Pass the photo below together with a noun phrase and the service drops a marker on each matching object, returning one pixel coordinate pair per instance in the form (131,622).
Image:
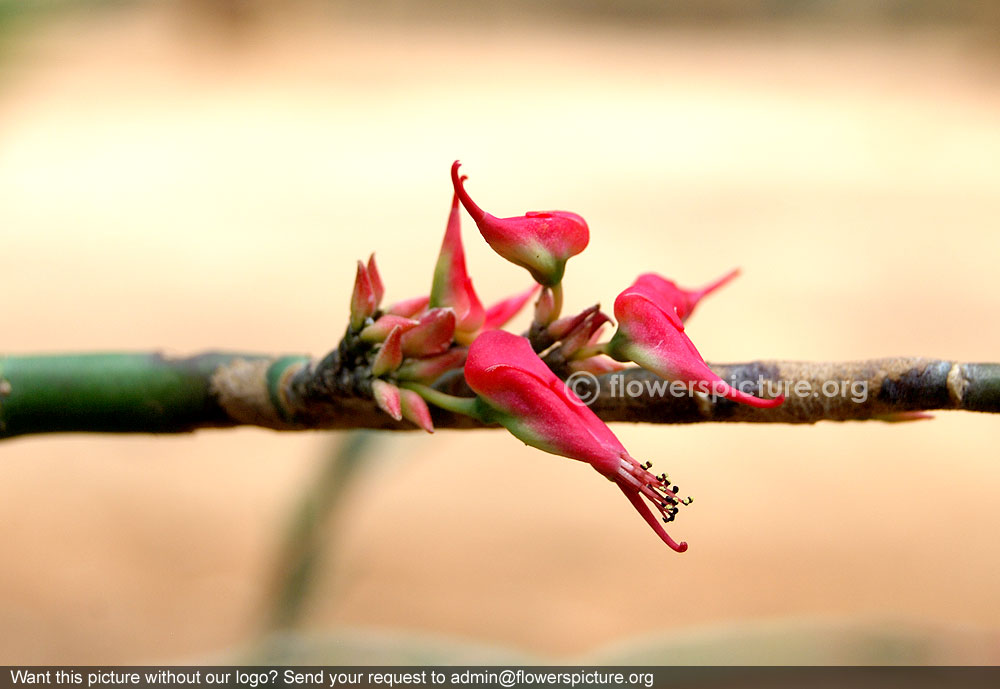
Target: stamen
(631,479)
(655,496)
(656,489)
(647,514)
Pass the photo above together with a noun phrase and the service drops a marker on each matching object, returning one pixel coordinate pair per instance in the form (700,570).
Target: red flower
(451,286)
(651,334)
(517,390)
(542,242)
(498,314)
(684,300)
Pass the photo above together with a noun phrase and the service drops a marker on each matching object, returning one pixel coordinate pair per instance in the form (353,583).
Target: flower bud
(377,287)
(387,398)
(380,329)
(429,369)
(545,307)
(390,354)
(564,326)
(363,303)
(596,365)
(583,335)
(432,335)
(415,410)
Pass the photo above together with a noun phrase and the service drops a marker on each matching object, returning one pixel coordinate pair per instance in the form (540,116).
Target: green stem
(591,350)
(112,393)
(557,300)
(132,392)
(469,406)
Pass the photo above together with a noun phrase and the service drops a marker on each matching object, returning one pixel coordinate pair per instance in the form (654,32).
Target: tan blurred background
(195,175)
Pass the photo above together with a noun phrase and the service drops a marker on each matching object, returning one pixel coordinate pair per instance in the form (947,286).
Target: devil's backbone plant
(442,358)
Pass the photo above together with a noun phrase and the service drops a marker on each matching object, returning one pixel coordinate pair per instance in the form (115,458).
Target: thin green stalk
(590,350)
(469,406)
(557,300)
(314,523)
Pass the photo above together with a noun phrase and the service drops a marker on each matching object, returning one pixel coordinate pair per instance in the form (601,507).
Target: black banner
(485,677)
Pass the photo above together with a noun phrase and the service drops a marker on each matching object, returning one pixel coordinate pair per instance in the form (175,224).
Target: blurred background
(194,175)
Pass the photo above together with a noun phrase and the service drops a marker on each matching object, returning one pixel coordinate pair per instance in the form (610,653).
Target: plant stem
(151,393)
(557,300)
(590,350)
(459,405)
(314,523)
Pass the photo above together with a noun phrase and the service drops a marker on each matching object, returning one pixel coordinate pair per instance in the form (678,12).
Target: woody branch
(150,393)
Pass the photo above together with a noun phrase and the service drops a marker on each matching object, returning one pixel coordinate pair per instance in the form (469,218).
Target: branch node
(958,383)
(241,387)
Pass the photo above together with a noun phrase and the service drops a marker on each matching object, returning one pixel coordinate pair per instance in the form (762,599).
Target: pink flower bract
(651,334)
(452,286)
(517,390)
(684,300)
(541,241)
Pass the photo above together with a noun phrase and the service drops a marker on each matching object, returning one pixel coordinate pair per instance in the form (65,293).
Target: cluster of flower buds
(416,341)
(408,346)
